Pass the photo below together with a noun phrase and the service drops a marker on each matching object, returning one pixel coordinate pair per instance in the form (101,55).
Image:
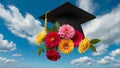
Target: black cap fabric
(69,14)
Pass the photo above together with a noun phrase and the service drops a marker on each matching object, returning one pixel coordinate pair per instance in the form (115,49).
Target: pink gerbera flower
(66,31)
(77,38)
(52,39)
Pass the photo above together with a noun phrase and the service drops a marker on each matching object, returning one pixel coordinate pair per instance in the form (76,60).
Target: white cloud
(82,60)
(116,65)
(17,55)
(115,52)
(25,27)
(106,59)
(109,60)
(100,49)
(105,27)
(6,61)
(89,63)
(5,45)
(87,5)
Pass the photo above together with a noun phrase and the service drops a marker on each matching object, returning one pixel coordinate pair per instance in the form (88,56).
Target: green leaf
(49,29)
(43,47)
(94,41)
(40,50)
(56,26)
(93,48)
(47,48)
(56,48)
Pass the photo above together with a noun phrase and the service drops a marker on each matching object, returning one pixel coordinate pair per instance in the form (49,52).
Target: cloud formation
(117,65)
(115,52)
(88,61)
(5,45)
(110,60)
(16,55)
(101,48)
(86,5)
(25,27)
(82,60)
(106,28)
(106,59)
(6,61)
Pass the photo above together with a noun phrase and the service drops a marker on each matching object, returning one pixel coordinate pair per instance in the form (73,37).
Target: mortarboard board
(69,14)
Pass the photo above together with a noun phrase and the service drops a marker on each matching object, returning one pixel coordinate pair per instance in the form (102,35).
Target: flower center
(66,46)
(52,39)
(66,31)
(85,46)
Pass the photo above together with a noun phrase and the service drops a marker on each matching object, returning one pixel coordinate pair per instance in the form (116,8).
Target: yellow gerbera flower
(66,46)
(84,45)
(40,37)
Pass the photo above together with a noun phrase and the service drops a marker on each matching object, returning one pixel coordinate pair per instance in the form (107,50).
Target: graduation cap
(69,14)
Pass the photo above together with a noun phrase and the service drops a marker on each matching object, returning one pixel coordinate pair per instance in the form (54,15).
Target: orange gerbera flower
(66,46)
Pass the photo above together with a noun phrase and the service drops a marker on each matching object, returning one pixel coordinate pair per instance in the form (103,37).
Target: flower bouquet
(62,39)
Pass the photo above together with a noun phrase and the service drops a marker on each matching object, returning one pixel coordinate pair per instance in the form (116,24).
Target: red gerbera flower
(77,38)
(52,39)
(52,55)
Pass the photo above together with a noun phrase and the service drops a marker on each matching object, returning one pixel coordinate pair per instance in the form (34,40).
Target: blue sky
(19,25)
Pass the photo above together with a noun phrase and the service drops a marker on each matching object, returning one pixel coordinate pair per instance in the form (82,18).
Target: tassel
(42,34)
